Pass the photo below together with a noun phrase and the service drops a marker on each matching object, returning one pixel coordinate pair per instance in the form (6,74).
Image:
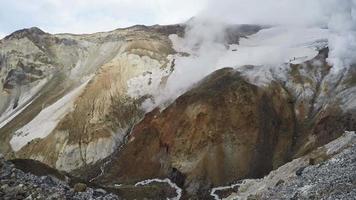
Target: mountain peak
(26,32)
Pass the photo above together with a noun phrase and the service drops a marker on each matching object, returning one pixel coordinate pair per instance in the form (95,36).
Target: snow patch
(11,115)
(166,180)
(70,159)
(213,190)
(44,123)
(150,81)
(275,46)
(146,84)
(24,101)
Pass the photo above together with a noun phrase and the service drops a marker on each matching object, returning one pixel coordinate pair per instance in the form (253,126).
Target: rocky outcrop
(330,179)
(17,184)
(321,98)
(31,179)
(326,173)
(318,97)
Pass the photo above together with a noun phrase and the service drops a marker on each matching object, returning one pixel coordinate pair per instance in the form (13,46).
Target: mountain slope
(58,110)
(143,102)
(206,134)
(70,100)
(226,129)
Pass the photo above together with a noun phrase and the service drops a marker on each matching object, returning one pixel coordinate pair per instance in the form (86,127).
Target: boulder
(80,187)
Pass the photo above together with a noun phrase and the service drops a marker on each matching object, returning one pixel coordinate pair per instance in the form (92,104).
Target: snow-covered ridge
(275,46)
(267,49)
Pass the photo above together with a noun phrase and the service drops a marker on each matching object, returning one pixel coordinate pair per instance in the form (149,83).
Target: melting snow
(166,180)
(24,101)
(213,190)
(275,46)
(44,123)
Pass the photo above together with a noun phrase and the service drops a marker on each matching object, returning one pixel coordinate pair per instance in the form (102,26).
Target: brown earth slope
(222,130)
(226,128)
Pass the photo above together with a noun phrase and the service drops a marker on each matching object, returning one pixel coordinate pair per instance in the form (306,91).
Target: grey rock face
(332,179)
(15,184)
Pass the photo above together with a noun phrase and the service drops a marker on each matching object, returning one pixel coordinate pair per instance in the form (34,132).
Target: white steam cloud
(298,28)
(342,41)
(339,17)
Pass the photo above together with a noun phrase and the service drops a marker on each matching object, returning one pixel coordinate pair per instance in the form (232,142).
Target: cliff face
(75,102)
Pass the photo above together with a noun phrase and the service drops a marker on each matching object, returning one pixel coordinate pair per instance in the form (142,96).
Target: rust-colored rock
(222,130)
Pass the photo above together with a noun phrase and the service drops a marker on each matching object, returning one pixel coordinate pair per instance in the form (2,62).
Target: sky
(87,16)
